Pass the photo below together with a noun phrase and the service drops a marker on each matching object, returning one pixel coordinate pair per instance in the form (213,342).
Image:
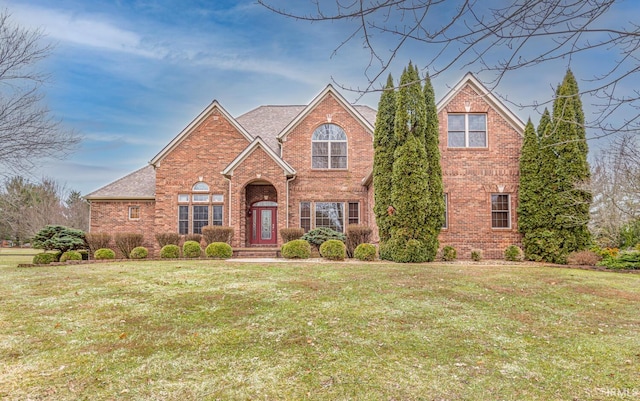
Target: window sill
(470,149)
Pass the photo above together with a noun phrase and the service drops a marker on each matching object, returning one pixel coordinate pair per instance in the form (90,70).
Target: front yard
(192,330)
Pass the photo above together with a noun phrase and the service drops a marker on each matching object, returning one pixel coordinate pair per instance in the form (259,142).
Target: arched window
(329,147)
(200,187)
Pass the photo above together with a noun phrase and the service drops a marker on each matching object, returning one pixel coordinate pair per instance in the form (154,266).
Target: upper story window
(329,147)
(467,131)
(200,187)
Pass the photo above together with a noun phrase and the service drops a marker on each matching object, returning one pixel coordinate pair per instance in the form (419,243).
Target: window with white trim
(329,147)
(354,213)
(217,218)
(200,218)
(183,219)
(467,130)
(331,215)
(200,187)
(500,211)
(134,212)
(305,216)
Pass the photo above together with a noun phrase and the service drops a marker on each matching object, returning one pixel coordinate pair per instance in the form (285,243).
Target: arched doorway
(263,223)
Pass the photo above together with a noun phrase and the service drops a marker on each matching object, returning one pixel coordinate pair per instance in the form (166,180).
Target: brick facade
(243,169)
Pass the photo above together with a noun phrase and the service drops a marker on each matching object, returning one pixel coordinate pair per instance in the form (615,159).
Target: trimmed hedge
(449,253)
(365,252)
(513,253)
(220,250)
(170,251)
(139,252)
(296,249)
(191,249)
(44,258)
(333,249)
(104,253)
(70,255)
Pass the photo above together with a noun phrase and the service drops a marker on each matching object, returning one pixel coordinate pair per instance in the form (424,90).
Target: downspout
(229,217)
(287,207)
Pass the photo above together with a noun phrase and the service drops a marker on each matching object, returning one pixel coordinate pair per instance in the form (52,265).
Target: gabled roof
(490,98)
(328,90)
(258,142)
(194,124)
(139,185)
(267,122)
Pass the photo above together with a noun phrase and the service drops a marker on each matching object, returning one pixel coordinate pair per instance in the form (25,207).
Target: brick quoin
(470,176)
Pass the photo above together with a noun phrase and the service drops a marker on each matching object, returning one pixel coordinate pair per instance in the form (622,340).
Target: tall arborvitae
(573,199)
(435,210)
(411,238)
(384,146)
(563,174)
(529,201)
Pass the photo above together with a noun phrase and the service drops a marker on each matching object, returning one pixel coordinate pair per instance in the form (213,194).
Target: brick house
(311,166)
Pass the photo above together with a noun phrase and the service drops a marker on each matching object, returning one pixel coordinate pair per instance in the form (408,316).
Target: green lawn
(193,330)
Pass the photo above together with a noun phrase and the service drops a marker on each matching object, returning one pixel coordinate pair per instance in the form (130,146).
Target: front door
(263,225)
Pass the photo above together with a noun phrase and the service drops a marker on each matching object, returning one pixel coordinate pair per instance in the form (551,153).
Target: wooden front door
(264,225)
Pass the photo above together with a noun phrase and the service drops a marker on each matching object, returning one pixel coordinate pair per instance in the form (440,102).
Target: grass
(193,330)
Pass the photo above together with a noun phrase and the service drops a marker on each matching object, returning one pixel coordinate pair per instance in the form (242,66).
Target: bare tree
(615,183)
(496,37)
(28,132)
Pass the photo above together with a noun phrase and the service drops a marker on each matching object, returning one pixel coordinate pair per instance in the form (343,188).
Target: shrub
(400,250)
(213,234)
(296,249)
(43,258)
(333,249)
(193,237)
(167,239)
(61,238)
(104,253)
(191,249)
(220,250)
(544,245)
(125,242)
(84,254)
(357,234)
(170,251)
(476,255)
(70,255)
(96,241)
(318,236)
(366,252)
(139,252)
(292,233)
(624,260)
(637,248)
(513,253)
(584,258)
(449,253)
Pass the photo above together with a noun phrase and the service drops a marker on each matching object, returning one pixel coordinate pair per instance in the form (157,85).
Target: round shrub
(333,249)
(43,258)
(366,252)
(513,253)
(476,255)
(191,249)
(170,251)
(449,253)
(139,252)
(70,255)
(220,250)
(104,253)
(296,249)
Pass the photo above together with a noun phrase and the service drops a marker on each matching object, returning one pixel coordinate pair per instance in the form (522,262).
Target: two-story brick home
(310,166)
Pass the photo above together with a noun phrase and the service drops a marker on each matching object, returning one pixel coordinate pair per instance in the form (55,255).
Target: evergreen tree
(435,209)
(530,184)
(413,237)
(384,146)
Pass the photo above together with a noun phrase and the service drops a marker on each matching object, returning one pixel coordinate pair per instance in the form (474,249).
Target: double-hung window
(500,211)
(199,209)
(329,147)
(200,218)
(467,131)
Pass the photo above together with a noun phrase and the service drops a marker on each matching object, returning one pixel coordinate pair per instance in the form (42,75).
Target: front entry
(263,230)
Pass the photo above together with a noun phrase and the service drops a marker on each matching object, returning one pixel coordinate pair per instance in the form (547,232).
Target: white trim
(194,124)
(490,98)
(508,211)
(258,142)
(339,98)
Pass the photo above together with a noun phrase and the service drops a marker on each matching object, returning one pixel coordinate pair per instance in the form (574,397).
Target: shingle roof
(141,184)
(267,122)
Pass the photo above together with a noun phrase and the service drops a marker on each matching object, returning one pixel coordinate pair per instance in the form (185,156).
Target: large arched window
(329,147)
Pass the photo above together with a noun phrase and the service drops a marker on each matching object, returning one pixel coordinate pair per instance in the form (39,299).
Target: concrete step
(256,253)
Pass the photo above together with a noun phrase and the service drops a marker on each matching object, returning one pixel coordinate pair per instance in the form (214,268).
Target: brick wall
(470,177)
(113,216)
(325,184)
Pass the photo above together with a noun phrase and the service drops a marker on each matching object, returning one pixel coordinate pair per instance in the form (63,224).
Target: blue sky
(130,75)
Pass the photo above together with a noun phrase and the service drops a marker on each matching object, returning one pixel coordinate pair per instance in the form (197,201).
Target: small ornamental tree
(530,188)
(61,238)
